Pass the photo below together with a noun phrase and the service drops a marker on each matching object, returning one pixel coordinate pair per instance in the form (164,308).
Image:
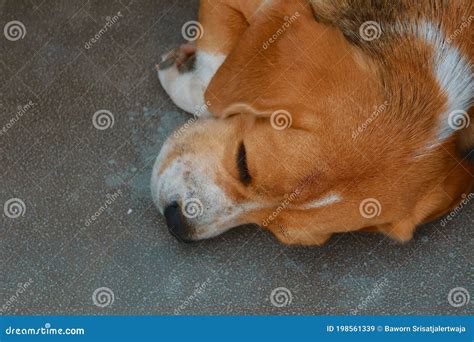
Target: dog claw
(183,57)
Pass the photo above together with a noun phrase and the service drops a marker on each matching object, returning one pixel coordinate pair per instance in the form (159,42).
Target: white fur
(453,73)
(192,176)
(187,89)
(322,202)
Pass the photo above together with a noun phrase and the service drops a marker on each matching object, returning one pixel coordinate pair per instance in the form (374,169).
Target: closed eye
(242,167)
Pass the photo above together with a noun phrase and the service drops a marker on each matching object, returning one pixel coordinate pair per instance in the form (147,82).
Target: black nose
(177,223)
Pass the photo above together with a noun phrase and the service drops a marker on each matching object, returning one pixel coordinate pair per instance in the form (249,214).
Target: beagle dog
(318,117)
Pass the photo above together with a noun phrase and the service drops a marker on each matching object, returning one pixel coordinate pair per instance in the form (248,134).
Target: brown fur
(330,81)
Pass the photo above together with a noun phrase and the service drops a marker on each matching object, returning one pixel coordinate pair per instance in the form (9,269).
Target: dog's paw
(182,80)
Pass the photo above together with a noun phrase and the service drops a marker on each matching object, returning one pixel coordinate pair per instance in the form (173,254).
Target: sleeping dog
(318,117)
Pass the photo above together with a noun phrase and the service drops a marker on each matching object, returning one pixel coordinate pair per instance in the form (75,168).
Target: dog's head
(308,142)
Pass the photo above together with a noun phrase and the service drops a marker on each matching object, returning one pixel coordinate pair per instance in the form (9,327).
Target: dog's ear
(240,83)
(444,197)
(252,77)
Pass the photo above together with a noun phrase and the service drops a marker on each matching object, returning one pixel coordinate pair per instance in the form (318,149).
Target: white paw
(186,83)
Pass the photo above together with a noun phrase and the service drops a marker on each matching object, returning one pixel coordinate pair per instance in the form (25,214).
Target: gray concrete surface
(65,170)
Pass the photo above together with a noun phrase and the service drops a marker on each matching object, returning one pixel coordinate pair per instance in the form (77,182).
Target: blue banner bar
(237,328)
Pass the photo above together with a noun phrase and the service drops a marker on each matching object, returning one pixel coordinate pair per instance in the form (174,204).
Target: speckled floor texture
(82,235)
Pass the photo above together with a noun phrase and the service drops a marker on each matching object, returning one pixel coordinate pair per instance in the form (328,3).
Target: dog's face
(303,182)
(217,174)
(303,146)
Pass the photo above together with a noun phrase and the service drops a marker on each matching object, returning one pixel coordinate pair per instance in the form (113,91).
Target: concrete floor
(65,170)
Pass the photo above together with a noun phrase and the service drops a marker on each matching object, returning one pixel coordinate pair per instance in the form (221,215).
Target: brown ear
(428,207)
(239,84)
(444,196)
(401,231)
(253,75)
